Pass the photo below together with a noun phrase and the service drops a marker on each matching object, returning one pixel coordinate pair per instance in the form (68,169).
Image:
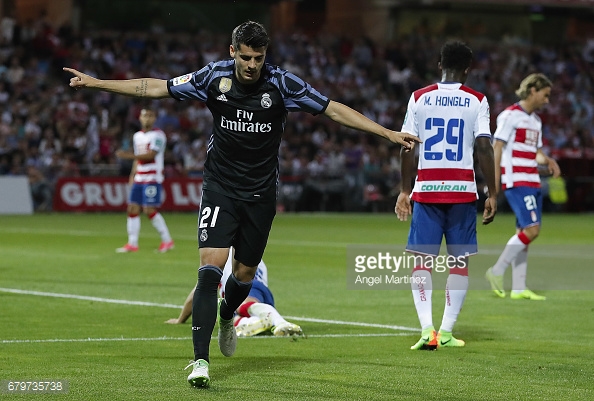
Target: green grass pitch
(358,344)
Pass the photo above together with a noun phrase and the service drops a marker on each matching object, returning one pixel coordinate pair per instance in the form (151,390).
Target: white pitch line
(91,340)
(358,335)
(342,322)
(165,338)
(141,303)
(86,298)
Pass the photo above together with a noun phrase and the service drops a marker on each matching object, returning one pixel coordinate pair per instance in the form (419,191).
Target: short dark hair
(455,55)
(250,33)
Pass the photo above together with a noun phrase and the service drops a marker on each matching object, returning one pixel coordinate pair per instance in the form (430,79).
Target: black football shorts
(225,222)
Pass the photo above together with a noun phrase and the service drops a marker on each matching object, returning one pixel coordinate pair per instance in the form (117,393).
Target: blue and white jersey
(242,159)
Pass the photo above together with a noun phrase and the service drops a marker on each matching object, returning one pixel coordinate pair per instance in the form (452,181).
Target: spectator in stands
(380,90)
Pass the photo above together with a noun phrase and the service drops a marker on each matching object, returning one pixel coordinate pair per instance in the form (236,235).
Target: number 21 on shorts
(206,212)
(530,201)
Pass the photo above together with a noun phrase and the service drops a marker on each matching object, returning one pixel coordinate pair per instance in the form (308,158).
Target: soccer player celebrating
(249,100)
(518,143)
(146,178)
(450,118)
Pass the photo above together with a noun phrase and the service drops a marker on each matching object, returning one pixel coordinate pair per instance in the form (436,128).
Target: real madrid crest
(203,235)
(225,85)
(266,101)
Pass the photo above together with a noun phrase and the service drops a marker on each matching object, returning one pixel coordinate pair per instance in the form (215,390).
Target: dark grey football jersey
(242,159)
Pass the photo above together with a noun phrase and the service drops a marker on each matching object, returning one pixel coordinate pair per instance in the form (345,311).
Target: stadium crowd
(48,131)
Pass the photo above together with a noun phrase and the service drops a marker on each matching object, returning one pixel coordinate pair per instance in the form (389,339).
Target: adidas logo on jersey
(222,97)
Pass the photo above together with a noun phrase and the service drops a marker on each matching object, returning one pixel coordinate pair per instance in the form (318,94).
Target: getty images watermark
(390,268)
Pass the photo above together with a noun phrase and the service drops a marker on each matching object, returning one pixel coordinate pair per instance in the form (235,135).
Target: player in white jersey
(518,151)
(256,314)
(449,118)
(145,182)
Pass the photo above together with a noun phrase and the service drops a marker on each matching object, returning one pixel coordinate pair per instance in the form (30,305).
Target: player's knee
(532,232)
(214,256)
(244,273)
(149,211)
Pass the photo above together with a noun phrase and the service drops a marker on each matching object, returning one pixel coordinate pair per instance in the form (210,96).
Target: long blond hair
(536,81)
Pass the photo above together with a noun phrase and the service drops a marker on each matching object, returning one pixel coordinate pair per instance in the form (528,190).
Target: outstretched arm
(186,311)
(152,88)
(348,117)
(143,157)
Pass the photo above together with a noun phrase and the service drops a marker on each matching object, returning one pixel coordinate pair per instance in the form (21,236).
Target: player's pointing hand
(405,139)
(80,80)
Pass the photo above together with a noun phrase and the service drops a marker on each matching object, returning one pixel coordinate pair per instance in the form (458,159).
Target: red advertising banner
(103,194)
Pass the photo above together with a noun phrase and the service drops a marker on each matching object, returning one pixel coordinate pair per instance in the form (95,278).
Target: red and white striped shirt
(522,134)
(447,117)
(150,171)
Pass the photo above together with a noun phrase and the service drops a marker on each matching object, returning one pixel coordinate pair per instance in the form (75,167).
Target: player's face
(248,62)
(147,119)
(541,97)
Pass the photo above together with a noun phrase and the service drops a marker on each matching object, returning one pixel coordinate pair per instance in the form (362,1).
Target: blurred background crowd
(48,130)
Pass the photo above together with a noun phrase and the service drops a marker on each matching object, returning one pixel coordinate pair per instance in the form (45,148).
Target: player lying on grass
(256,314)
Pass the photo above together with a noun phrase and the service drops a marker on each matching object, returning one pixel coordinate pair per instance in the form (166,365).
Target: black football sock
(204,309)
(235,293)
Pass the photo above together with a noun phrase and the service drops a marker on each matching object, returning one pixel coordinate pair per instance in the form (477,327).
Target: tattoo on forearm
(142,88)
